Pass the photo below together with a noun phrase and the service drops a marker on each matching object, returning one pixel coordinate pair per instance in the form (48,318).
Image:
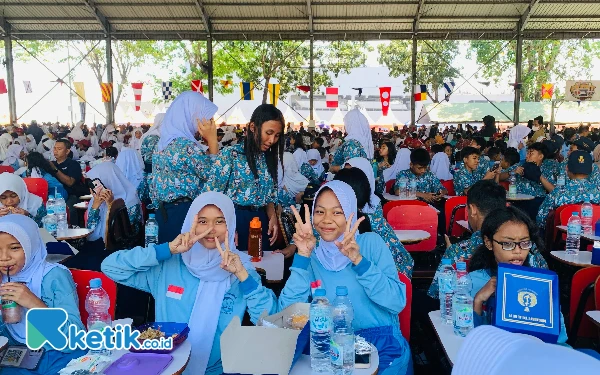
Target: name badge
(175,292)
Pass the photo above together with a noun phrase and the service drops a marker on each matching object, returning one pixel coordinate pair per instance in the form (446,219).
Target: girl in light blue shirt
(195,281)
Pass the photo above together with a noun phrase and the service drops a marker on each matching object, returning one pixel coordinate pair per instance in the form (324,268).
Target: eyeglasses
(510,246)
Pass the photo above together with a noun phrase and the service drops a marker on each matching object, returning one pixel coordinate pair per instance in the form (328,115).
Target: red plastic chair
(459,214)
(389,205)
(582,300)
(504,184)
(416,217)
(6,168)
(37,186)
(82,282)
(404,315)
(568,210)
(389,186)
(449,185)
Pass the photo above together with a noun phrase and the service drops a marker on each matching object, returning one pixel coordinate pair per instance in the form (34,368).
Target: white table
(86,197)
(3,342)
(595,316)
(181,356)
(520,197)
(583,259)
(55,258)
(74,233)
(272,263)
(81,205)
(391,197)
(464,224)
(302,367)
(588,237)
(445,333)
(411,236)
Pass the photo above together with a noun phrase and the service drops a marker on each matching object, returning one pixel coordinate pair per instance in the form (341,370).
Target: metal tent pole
(413,82)
(518,70)
(211,84)
(10,76)
(109,75)
(311,82)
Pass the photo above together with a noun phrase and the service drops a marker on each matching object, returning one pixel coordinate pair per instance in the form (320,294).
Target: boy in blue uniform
(469,173)
(429,187)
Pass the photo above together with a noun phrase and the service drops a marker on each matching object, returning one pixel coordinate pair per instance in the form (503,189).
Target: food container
(140,364)
(169,329)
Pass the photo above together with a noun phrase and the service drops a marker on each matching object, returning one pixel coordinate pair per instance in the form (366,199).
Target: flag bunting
(547,90)
(385,95)
(80,91)
(137,94)
(274,89)
(167,90)
(197,85)
(106,89)
(247,90)
(420,93)
(331,97)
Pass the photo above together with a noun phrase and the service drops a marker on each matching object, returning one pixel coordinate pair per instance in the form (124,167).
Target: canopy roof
(299,19)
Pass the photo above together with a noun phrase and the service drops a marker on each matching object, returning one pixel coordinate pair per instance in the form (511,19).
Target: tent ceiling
(296,19)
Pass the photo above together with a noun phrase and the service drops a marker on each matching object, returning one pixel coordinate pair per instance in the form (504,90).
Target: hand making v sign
(348,245)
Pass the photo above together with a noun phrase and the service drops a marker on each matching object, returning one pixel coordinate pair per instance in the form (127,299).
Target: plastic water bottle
(402,187)
(82,166)
(446,277)
(97,304)
(342,339)
(50,203)
(49,222)
(151,230)
(60,210)
(462,302)
(320,332)
(413,188)
(587,211)
(512,185)
(573,234)
(561,180)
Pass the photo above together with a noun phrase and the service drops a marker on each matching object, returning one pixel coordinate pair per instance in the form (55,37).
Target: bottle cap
(255,223)
(341,291)
(151,216)
(446,261)
(50,196)
(50,212)
(575,213)
(461,266)
(320,292)
(95,283)
(58,195)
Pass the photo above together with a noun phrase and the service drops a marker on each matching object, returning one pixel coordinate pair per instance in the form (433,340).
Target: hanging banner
(106,91)
(247,90)
(420,93)
(167,90)
(82,111)
(547,90)
(197,86)
(3,89)
(137,94)
(80,91)
(303,88)
(385,93)
(331,97)
(274,89)
(28,89)
(582,91)
(226,83)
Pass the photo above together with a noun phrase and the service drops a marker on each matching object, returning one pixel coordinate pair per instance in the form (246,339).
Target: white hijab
(77,133)
(328,253)
(131,164)
(40,146)
(401,163)
(25,230)
(313,154)
(440,166)
(13,154)
(357,127)
(293,180)
(134,142)
(107,134)
(517,135)
(364,165)
(155,129)
(300,156)
(29,202)
(94,141)
(5,141)
(180,119)
(31,145)
(205,264)
(112,178)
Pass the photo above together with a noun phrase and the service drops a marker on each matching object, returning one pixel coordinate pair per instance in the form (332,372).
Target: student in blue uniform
(34,283)
(316,163)
(180,163)
(508,236)
(15,199)
(469,172)
(247,173)
(293,183)
(429,187)
(148,144)
(357,144)
(361,262)
(217,281)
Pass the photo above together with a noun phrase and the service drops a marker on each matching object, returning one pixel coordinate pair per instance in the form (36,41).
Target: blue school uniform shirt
(134,212)
(479,278)
(307,171)
(525,186)
(154,269)
(285,198)
(180,170)
(58,291)
(551,167)
(464,178)
(574,191)
(426,183)
(350,149)
(39,215)
(231,175)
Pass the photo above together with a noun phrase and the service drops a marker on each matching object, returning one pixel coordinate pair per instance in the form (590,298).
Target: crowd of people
(318,194)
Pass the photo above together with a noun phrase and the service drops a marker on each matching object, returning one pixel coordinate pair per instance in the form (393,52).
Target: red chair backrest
(389,186)
(504,184)
(404,315)
(82,282)
(389,205)
(37,186)
(581,280)
(6,168)
(568,210)
(461,214)
(416,217)
(449,185)
(597,292)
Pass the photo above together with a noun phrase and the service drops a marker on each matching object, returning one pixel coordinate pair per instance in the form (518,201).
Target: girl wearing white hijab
(5,141)
(315,161)
(305,167)
(517,136)
(135,142)
(48,149)
(77,132)
(361,262)
(213,281)
(40,146)
(401,163)
(132,166)
(440,166)
(293,184)
(31,145)
(13,156)
(357,144)
(35,283)
(15,199)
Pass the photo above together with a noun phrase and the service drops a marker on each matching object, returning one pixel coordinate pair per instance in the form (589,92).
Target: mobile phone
(495,167)
(362,360)
(96,185)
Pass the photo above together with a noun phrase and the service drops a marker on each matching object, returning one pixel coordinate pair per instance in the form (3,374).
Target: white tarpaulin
(582,91)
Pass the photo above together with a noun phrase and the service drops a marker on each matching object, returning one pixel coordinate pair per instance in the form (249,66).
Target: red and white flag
(331,97)
(137,94)
(174,291)
(197,86)
(385,94)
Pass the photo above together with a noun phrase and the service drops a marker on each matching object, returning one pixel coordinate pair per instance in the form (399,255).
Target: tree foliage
(432,68)
(543,61)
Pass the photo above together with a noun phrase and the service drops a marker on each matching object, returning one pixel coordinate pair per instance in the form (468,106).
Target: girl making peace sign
(361,262)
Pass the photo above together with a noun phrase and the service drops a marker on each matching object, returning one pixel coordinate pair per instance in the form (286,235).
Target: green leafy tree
(543,61)
(432,68)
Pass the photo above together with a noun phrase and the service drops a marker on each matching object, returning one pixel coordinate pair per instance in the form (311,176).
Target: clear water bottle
(573,234)
(60,210)
(413,188)
(50,203)
(446,277)
(462,302)
(151,230)
(320,332)
(402,187)
(82,166)
(97,305)
(342,338)
(561,180)
(512,185)
(50,223)
(587,212)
